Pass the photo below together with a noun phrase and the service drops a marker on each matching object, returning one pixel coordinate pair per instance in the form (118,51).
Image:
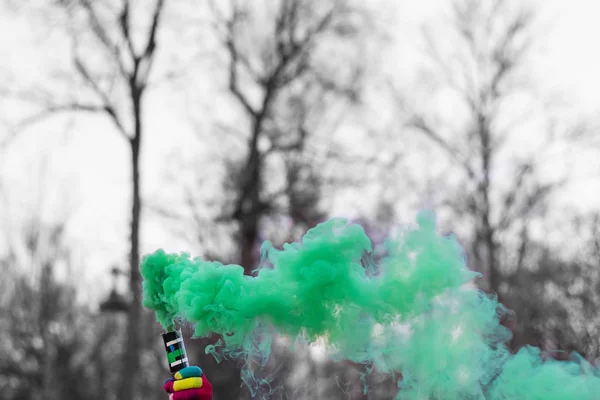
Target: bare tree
(283,80)
(40,313)
(291,95)
(55,346)
(113,58)
(560,295)
(484,73)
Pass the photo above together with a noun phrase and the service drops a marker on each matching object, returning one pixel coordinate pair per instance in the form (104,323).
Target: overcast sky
(570,64)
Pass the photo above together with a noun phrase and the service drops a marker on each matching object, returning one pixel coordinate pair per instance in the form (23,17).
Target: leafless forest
(211,126)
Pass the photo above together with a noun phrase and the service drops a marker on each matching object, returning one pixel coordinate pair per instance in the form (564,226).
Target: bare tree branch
(419,123)
(147,55)
(234,57)
(510,196)
(52,110)
(100,32)
(151,44)
(106,102)
(124,25)
(234,82)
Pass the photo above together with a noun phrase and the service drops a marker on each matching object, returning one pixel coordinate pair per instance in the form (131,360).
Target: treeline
(294,116)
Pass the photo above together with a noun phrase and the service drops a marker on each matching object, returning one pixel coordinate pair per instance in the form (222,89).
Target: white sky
(93,159)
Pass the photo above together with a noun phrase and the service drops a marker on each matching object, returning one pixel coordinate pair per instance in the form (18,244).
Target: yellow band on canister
(187,383)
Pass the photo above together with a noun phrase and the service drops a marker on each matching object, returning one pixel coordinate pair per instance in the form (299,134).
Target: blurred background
(211,126)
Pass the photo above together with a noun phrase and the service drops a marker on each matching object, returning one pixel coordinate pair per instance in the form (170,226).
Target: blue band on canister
(175,349)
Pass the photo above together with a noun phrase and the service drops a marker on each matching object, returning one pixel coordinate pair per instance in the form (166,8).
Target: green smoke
(413,313)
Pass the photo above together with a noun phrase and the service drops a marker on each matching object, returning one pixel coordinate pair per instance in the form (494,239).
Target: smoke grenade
(175,349)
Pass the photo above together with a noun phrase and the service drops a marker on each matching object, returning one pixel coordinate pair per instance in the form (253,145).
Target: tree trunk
(249,236)
(488,240)
(131,354)
(47,385)
(250,207)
